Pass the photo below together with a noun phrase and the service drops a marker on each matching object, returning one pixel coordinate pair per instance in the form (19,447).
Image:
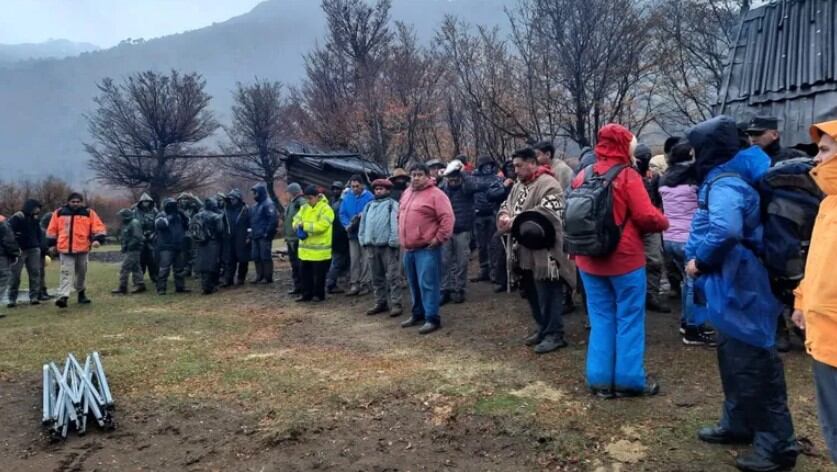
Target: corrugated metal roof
(785,64)
(323,169)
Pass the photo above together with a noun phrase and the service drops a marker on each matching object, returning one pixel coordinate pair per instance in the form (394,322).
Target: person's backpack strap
(704,205)
(609,176)
(613,172)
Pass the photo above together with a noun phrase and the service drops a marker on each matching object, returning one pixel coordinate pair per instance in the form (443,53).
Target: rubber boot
(259,272)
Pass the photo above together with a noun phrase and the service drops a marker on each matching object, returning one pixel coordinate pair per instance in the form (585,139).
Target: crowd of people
(729,222)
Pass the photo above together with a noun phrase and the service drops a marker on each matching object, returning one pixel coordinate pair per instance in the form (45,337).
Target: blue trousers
(424,274)
(677,253)
(756,398)
(616,349)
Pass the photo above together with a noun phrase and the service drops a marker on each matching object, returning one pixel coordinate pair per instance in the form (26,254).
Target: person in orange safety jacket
(73,231)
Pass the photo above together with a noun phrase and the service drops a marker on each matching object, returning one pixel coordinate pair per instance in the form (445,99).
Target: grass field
(248,380)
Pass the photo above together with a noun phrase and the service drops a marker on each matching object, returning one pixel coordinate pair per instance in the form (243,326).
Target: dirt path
(371,396)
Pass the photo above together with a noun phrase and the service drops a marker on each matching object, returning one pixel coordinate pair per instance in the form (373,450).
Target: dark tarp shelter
(324,168)
(784,63)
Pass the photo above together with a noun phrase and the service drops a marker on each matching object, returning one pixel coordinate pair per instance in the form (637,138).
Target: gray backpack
(590,228)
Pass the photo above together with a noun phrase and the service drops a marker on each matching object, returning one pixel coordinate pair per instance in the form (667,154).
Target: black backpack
(790,201)
(589,225)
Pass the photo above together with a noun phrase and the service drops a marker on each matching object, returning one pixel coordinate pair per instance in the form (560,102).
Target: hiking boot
(444,299)
(363,291)
(533,339)
(11,304)
(719,435)
(783,343)
(654,304)
(754,462)
(457,297)
(34,301)
(549,344)
(353,292)
(651,388)
(44,297)
(695,337)
(428,328)
(377,309)
(411,322)
(604,393)
(119,291)
(82,298)
(61,302)
(140,289)
(395,311)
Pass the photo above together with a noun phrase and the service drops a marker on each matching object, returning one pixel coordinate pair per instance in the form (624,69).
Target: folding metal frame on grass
(74,394)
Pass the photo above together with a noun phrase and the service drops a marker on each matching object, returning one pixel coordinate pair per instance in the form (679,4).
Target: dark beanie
(681,152)
(311,191)
(74,196)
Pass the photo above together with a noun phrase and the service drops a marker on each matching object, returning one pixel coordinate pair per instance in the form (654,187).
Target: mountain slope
(42,103)
(52,49)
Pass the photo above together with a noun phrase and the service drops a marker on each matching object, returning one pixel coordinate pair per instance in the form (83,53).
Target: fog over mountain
(42,102)
(52,49)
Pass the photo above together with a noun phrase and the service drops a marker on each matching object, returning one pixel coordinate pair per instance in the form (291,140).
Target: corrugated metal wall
(785,64)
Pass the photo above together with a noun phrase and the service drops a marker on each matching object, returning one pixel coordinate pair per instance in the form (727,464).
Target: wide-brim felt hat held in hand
(533,230)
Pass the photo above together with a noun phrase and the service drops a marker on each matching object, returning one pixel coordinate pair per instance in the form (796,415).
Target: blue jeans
(423,269)
(689,311)
(616,350)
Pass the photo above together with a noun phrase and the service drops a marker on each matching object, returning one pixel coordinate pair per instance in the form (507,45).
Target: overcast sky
(106,22)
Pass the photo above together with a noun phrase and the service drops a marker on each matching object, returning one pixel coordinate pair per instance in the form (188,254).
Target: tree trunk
(271,193)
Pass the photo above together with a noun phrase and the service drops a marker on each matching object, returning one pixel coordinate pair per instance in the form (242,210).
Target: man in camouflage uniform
(132,243)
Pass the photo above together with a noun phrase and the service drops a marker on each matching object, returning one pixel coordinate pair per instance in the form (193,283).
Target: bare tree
(360,34)
(694,39)
(140,124)
(260,127)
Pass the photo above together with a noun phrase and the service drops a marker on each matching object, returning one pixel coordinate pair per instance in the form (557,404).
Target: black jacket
(487,202)
(339,236)
(172,225)
(8,244)
(26,227)
(237,218)
(462,201)
(778,153)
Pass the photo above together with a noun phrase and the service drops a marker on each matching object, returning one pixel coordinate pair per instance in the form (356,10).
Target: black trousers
(148,261)
(177,261)
(314,278)
(498,254)
(293,258)
(232,263)
(756,398)
(546,300)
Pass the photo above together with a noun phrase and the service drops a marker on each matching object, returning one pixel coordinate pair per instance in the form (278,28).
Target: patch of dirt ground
(470,397)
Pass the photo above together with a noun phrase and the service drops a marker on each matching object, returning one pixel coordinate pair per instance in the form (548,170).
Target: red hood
(614,144)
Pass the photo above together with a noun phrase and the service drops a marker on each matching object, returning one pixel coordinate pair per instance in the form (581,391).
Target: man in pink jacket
(425,222)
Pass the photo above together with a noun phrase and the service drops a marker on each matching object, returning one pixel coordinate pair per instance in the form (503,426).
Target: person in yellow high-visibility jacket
(313,224)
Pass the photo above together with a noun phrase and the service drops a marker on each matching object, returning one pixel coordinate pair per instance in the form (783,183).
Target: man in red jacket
(425,222)
(616,283)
